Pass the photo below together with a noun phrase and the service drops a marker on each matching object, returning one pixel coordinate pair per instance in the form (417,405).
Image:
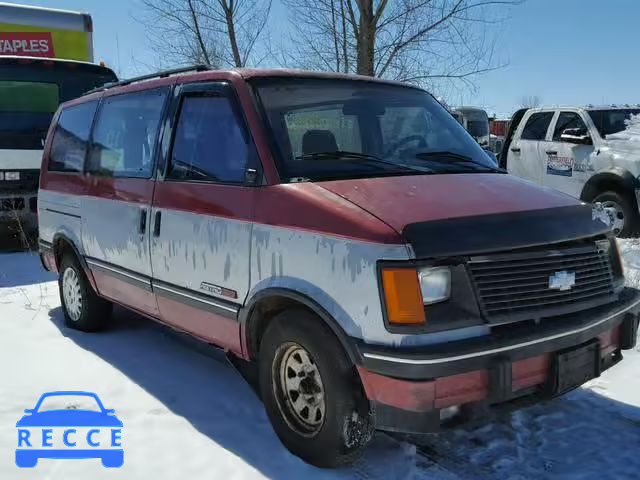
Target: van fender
(603,180)
(249,320)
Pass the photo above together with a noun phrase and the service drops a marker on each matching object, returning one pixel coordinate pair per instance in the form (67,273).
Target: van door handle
(515,150)
(552,152)
(143,222)
(156,224)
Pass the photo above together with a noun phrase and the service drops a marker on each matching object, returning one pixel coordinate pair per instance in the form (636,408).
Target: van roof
(199,72)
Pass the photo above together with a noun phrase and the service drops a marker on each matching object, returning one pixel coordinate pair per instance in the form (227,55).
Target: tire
(627,218)
(336,436)
(83,308)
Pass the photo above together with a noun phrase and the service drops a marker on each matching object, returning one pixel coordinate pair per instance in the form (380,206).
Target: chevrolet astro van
(344,235)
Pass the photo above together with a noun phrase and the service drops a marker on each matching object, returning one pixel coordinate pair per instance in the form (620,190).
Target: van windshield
(612,121)
(328,129)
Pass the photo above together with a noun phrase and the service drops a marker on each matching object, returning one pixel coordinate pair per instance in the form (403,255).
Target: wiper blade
(359,157)
(458,160)
(451,156)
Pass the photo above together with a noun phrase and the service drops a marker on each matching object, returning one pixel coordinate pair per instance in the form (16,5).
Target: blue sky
(564,51)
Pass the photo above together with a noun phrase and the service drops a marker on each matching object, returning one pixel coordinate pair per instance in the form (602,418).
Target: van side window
(69,146)
(209,143)
(567,120)
(125,134)
(537,126)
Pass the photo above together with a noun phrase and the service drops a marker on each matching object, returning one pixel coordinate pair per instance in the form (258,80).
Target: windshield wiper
(458,160)
(359,157)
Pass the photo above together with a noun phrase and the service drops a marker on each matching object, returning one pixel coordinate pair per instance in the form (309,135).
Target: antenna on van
(150,76)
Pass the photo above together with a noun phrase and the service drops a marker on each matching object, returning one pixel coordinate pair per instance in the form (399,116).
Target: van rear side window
(69,146)
(125,133)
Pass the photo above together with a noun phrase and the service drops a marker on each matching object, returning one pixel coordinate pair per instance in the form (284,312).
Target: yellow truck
(45,32)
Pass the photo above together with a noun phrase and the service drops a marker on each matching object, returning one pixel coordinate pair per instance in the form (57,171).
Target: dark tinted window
(209,143)
(537,126)
(612,121)
(69,145)
(567,120)
(125,133)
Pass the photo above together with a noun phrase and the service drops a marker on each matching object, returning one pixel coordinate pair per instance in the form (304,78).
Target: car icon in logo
(562,281)
(69,424)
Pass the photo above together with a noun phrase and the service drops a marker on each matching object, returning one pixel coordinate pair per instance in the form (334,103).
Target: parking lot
(186,412)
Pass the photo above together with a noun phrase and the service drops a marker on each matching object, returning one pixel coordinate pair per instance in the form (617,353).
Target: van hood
(464,213)
(400,201)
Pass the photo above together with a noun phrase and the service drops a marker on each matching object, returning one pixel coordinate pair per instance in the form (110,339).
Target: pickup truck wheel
(626,220)
(311,392)
(83,308)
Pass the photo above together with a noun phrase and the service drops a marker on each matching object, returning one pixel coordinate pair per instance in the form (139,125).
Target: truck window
(567,120)
(537,126)
(125,133)
(210,144)
(70,138)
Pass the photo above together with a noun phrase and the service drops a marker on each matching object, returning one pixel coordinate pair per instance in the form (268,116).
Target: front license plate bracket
(574,366)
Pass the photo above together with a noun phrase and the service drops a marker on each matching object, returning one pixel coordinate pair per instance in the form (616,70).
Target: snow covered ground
(188,414)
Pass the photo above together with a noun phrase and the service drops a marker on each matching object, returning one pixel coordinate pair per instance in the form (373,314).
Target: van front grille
(515,286)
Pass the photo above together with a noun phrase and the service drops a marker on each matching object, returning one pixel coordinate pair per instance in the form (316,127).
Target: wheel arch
(62,244)
(616,179)
(266,304)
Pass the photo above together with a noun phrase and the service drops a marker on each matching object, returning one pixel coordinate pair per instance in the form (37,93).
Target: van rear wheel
(311,392)
(626,219)
(83,308)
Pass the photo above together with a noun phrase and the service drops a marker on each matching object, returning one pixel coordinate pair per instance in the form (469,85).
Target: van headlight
(11,176)
(435,284)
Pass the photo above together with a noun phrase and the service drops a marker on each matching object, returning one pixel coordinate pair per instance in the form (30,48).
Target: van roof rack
(149,76)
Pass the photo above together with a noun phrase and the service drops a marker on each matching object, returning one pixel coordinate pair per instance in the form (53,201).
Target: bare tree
(409,40)
(216,32)
(530,101)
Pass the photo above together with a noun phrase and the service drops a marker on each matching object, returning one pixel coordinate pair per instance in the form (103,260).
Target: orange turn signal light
(402,296)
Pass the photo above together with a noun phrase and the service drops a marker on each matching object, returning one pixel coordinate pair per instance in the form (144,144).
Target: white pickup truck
(591,153)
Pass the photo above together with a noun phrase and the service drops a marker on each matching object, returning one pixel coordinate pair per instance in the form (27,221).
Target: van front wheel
(626,219)
(310,391)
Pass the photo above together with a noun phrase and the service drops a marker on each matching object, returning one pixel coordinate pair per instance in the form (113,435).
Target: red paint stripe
(529,372)
(126,294)
(303,206)
(212,328)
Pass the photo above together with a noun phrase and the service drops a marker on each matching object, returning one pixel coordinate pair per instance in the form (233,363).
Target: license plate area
(575,366)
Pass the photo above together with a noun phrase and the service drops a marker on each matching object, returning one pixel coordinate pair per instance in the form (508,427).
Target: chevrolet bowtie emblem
(562,281)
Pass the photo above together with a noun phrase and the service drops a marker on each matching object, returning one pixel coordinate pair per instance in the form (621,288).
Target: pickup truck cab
(582,152)
(343,235)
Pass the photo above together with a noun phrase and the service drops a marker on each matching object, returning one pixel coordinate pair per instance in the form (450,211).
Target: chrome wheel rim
(72,294)
(299,389)
(617,216)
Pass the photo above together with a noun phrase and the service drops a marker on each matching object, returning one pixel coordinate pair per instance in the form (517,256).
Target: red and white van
(343,234)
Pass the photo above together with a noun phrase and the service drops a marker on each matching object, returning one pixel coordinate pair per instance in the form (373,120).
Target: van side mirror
(578,136)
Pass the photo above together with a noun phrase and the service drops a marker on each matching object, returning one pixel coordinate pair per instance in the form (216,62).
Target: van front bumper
(410,388)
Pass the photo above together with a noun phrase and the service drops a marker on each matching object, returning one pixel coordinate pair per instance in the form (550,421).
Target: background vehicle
(30,91)
(581,152)
(338,233)
(476,122)
(45,32)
